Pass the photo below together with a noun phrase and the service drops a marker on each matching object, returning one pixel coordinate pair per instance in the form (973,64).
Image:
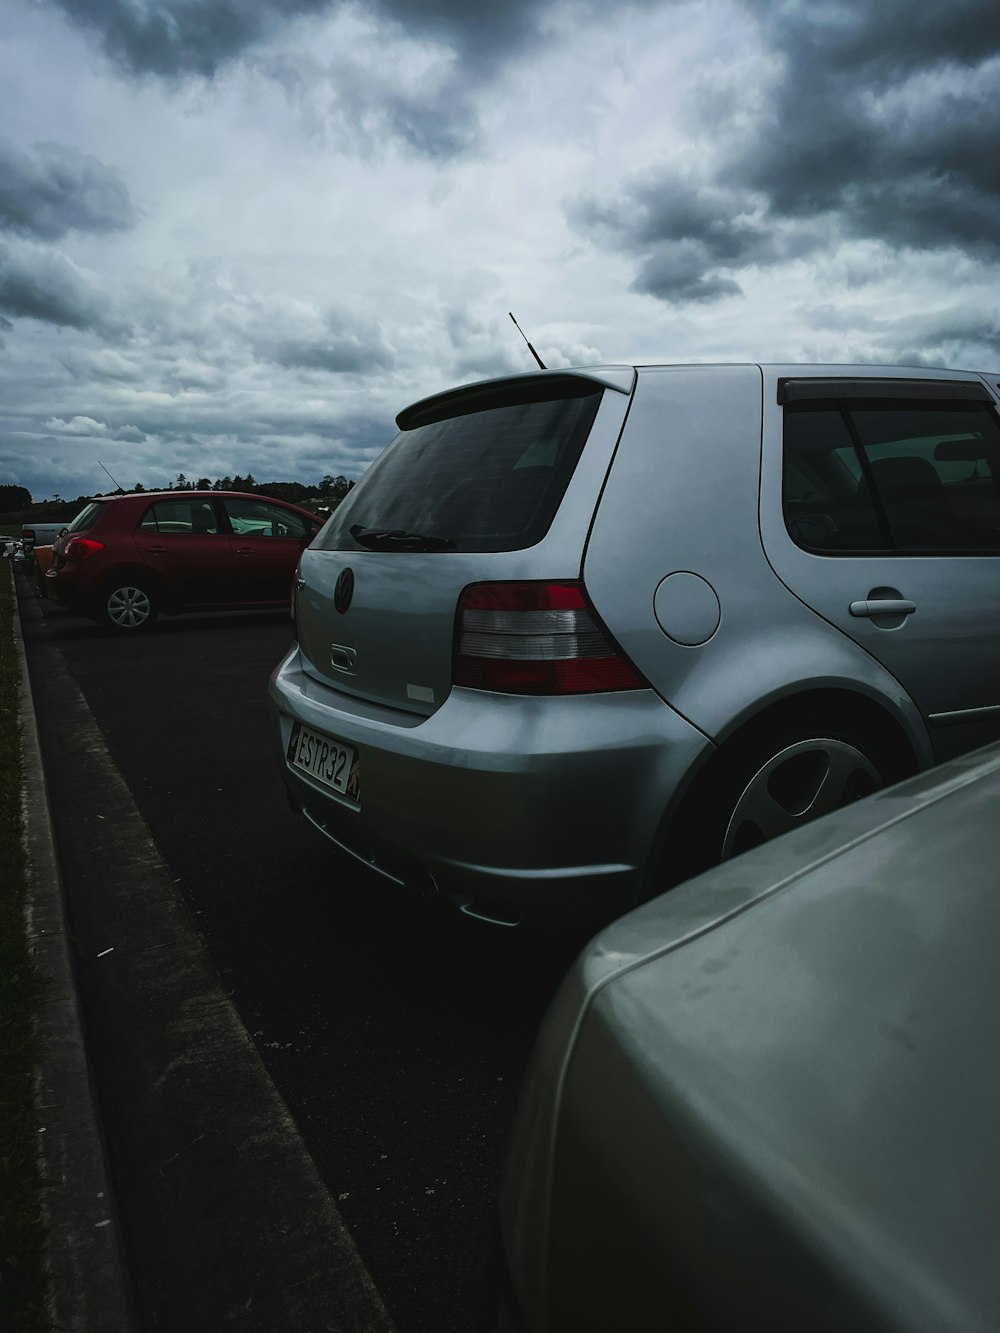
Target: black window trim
(867,471)
(795,390)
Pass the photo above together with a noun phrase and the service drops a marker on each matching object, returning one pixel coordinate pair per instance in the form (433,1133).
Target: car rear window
(87,517)
(485,474)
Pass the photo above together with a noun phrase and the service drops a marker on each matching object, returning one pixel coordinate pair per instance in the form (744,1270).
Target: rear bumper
(65,590)
(509,805)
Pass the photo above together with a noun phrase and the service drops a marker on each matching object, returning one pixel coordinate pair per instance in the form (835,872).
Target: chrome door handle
(887,606)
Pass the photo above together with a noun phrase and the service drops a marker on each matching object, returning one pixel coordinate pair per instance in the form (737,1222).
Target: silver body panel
(500,800)
(673,519)
(684,490)
(946,655)
(766,1100)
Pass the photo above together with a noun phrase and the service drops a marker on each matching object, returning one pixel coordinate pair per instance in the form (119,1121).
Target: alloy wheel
(805,780)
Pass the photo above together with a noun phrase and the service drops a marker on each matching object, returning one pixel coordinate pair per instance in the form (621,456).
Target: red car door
(183,541)
(267,539)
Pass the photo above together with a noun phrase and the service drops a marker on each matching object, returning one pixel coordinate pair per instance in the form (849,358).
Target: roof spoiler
(533,384)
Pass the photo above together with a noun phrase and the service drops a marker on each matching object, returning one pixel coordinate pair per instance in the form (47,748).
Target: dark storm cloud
(360,107)
(364,104)
(347,345)
(335,356)
(677,273)
(39,283)
(56,189)
(888,115)
(180,36)
(958,338)
(882,125)
(962,328)
(177,37)
(888,40)
(683,234)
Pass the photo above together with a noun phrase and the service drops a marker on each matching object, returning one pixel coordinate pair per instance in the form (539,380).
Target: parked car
(764,1101)
(41,534)
(43,557)
(577,634)
(125,559)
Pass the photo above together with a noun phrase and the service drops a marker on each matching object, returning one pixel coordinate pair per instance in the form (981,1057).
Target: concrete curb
(90,1286)
(226,1221)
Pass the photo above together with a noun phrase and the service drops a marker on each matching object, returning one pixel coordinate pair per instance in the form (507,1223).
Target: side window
(868,475)
(826,505)
(180,517)
(936,469)
(258,518)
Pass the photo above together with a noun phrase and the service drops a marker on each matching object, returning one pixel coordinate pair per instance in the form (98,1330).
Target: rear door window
(260,518)
(484,474)
(180,518)
(892,475)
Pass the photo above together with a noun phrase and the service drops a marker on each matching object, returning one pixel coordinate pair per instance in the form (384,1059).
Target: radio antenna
(117,483)
(541,363)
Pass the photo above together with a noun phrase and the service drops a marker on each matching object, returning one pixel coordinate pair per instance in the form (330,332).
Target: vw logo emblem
(344,590)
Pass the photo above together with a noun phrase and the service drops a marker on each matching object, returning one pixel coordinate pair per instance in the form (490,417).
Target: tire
(766,785)
(127,606)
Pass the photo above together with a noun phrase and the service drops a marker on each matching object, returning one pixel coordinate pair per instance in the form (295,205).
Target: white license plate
(326,760)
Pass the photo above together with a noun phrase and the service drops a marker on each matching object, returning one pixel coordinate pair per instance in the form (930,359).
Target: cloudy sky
(240,235)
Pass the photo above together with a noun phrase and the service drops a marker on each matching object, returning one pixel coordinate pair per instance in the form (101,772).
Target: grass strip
(24,1293)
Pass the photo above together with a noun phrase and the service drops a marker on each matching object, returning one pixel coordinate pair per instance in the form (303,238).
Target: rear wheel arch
(839,714)
(839,707)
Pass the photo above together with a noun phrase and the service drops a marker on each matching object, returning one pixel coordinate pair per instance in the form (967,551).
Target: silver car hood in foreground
(771,1098)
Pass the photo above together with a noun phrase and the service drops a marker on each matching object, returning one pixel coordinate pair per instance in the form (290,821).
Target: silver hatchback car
(578,634)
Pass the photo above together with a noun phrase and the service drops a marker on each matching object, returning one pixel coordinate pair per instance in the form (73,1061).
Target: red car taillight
(536,638)
(82,548)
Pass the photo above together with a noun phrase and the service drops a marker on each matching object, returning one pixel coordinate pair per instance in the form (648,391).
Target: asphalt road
(396,1032)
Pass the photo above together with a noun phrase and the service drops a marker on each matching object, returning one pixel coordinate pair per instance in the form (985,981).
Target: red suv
(126,558)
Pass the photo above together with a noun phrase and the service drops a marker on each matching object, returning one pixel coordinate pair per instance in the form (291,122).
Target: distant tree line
(16,504)
(329,487)
(14,497)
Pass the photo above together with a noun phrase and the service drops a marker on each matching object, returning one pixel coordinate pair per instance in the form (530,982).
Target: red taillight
(536,638)
(82,548)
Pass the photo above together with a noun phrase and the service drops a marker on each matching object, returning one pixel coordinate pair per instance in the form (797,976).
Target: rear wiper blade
(398,539)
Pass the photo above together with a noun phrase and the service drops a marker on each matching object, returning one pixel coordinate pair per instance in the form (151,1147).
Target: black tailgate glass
(485,477)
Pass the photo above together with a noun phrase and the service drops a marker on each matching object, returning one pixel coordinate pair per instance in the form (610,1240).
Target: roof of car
(194,495)
(621,377)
